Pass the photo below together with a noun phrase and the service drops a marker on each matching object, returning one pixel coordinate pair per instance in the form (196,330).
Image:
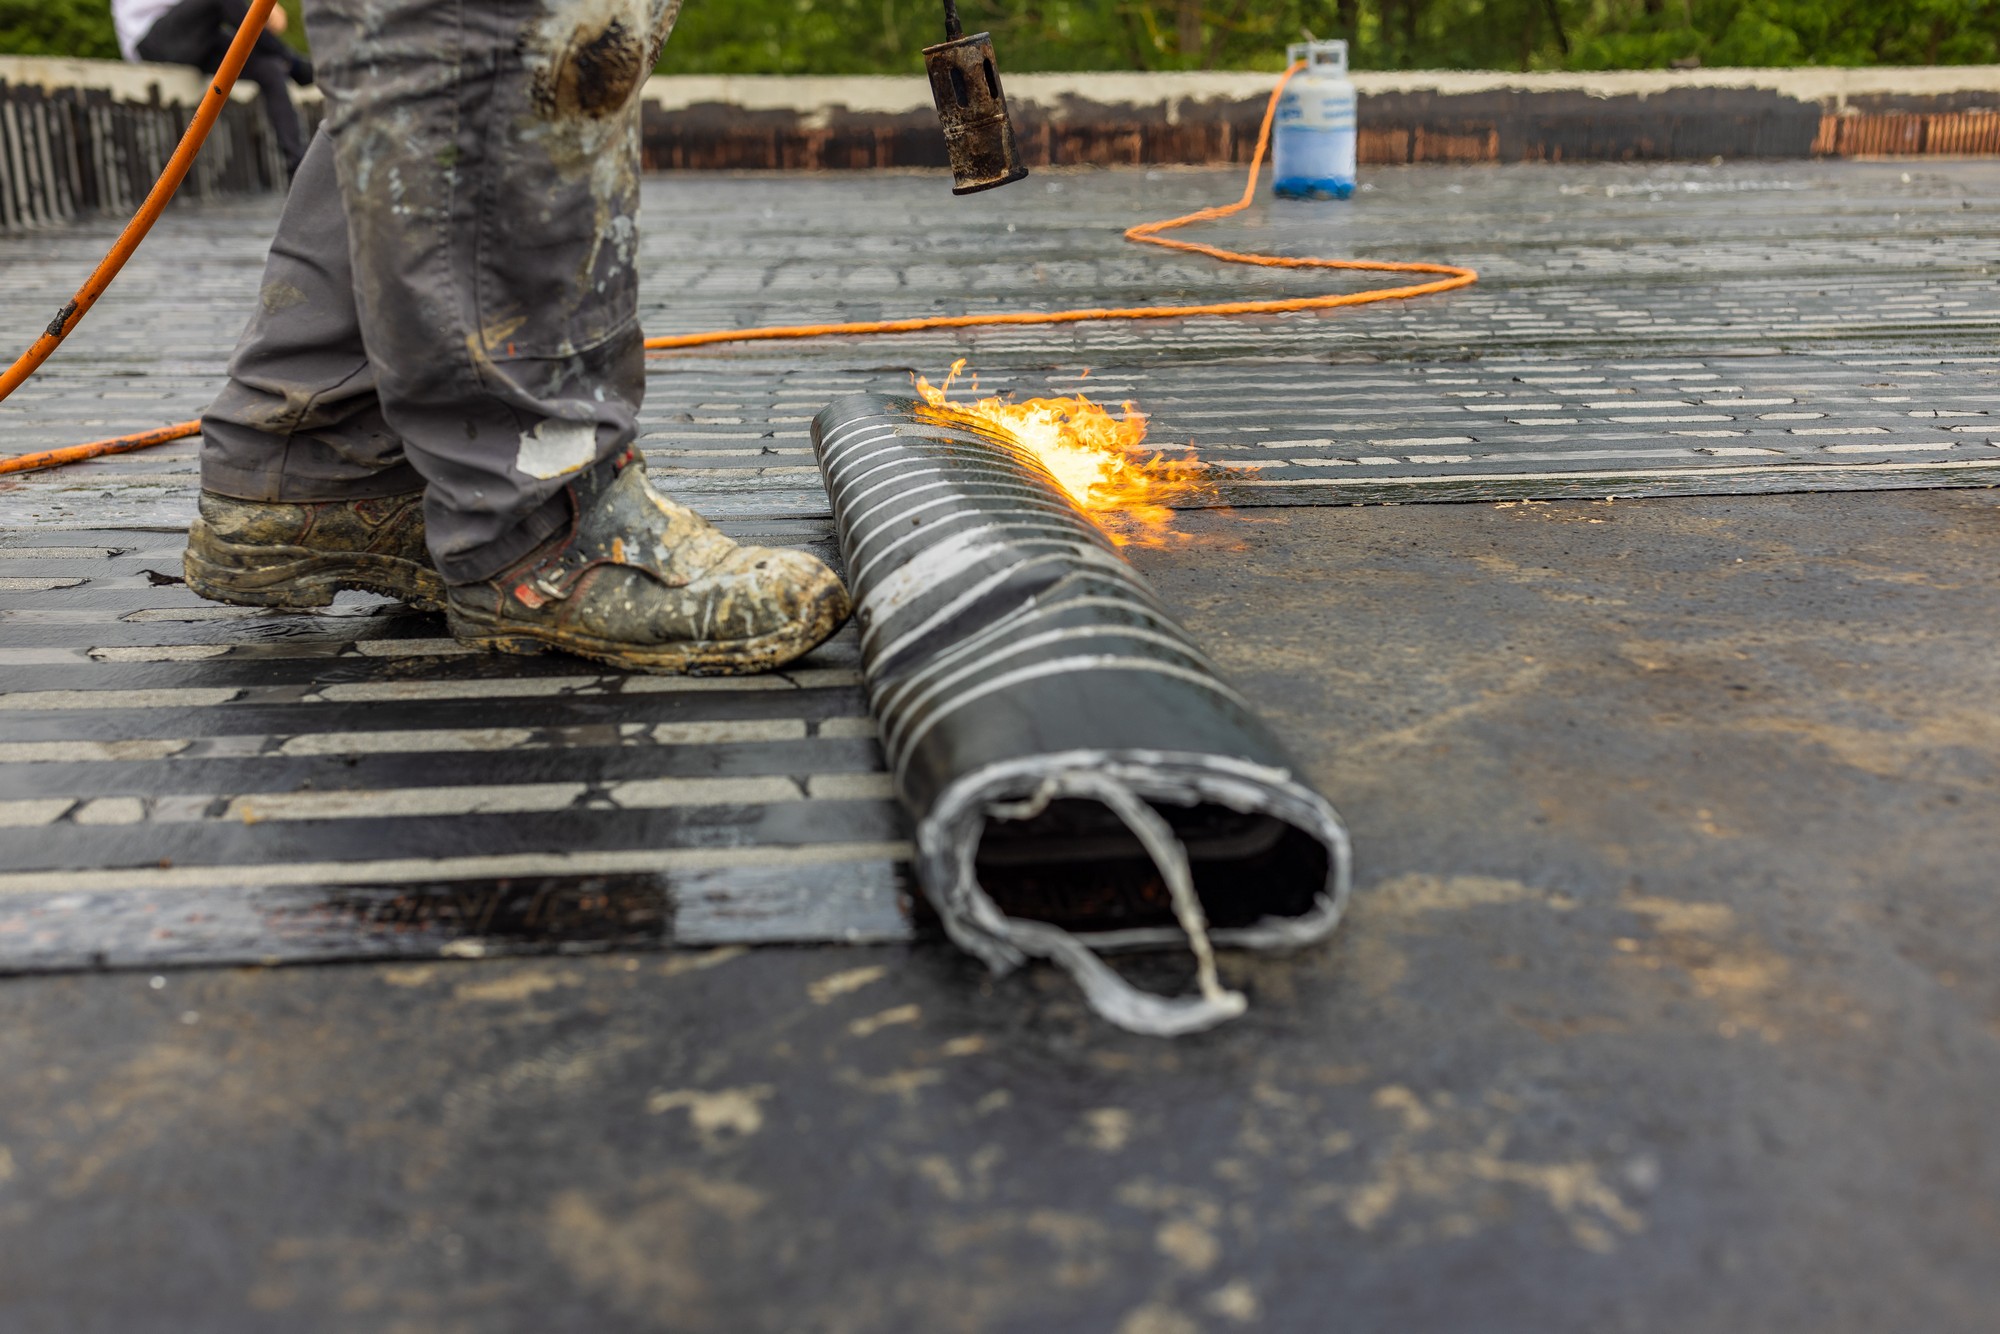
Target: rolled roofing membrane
(1081,777)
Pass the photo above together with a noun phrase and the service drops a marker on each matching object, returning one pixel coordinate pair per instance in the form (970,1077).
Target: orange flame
(1099,459)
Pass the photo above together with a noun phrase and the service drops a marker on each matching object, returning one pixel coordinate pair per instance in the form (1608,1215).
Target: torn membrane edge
(948,841)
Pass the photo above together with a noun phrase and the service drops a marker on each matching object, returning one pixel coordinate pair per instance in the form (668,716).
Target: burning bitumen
(1101,461)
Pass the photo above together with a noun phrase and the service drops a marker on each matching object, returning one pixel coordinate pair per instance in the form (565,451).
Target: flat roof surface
(1666,1001)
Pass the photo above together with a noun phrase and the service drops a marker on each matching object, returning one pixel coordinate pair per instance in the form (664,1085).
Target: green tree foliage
(1620,34)
(886,36)
(57,28)
(76,28)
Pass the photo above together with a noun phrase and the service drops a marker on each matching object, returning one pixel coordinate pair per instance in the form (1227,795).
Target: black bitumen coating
(227,724)
(1644,328)
(1667,1003)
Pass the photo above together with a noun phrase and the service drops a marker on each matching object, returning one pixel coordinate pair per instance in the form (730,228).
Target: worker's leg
(272,73)
(488,157)
(299,419)
(305,489)
(198,33)
(488,165)
(273,66)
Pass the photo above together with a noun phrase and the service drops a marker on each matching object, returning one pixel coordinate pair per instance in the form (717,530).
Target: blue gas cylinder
(1312,148)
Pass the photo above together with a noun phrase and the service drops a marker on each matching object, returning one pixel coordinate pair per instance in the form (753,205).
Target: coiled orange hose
(1145,233)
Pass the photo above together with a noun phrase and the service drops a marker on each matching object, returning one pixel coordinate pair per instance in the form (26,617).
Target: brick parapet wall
(1449,116)
(77,136)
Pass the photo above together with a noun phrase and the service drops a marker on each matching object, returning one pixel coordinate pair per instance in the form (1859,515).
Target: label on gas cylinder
(1318,108)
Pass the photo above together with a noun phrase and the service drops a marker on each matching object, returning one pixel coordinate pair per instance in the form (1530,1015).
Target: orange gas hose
(149,212)
(1145,233)
(118,444)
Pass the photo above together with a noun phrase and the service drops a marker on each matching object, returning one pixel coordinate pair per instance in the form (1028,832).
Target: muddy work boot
(276,554)
(642,583)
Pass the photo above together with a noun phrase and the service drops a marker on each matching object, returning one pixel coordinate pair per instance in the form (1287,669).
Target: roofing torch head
(966,85)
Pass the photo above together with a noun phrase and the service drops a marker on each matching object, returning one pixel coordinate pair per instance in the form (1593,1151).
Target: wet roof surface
(1667,1001)
(183,782)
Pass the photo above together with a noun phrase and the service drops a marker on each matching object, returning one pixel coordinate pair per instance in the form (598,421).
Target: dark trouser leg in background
(198,33)
(273,76)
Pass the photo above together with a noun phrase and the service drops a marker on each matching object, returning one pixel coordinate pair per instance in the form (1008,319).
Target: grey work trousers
(451,302)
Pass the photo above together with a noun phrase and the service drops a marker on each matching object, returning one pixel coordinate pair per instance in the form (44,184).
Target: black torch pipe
(1081,777)
(953,29)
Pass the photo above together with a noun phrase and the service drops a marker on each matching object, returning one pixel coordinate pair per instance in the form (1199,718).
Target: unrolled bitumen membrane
(1081,777)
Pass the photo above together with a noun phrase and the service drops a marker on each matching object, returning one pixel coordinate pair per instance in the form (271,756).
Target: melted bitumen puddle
(184,783)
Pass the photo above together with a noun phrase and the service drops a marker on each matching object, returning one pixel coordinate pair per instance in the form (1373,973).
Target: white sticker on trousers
(557,447)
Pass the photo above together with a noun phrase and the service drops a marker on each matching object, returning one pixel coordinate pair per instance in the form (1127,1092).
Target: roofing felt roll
(1081,776)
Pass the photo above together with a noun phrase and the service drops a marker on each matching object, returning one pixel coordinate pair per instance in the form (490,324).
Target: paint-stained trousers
(451,302)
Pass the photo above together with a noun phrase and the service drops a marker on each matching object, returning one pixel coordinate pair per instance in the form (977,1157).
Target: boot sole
(717,657)
(299,578)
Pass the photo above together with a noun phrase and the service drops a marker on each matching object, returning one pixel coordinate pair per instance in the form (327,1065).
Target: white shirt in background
(134,19)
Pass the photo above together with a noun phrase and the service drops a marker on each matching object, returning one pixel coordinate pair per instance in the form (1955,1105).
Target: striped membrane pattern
(1506,426)
(938,523)
(181,782)
(1502,427)
(1638,330)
